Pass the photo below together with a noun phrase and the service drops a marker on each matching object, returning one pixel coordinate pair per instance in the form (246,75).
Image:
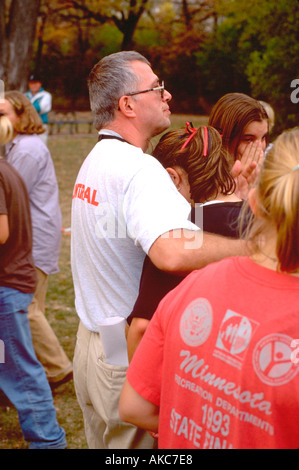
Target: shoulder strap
(107,136)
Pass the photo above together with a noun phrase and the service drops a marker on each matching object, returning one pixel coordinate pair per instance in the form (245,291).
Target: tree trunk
(17,42)
(3,43)
(40,41)
(127,25)
(129,30)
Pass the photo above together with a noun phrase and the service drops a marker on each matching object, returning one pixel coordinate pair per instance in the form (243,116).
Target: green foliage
(201,49)
(105,39)
(145,37)
(221,63)
(261,40)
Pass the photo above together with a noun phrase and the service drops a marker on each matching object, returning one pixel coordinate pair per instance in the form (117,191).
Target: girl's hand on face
(245,171)
(252,157)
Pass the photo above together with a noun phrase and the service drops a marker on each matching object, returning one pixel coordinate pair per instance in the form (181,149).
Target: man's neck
(129,134)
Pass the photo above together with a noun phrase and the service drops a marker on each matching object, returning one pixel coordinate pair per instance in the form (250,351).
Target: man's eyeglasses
(157,88)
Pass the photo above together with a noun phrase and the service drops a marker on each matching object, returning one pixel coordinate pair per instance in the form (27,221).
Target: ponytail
(278,199)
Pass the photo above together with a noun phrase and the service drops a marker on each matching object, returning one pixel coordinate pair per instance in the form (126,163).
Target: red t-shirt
(219,358)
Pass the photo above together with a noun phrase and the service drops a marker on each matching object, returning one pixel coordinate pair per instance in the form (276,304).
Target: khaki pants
(98,386)
(46,345)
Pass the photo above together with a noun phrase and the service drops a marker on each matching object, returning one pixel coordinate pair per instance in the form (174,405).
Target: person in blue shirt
(41,100)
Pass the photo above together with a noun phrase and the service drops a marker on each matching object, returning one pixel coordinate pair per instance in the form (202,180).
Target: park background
(202,49)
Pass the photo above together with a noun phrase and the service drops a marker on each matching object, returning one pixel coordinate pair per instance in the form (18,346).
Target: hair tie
(220,131)
(190,130)
(206,147)
(295,168)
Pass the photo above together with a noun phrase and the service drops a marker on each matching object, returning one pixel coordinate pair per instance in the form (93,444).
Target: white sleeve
(45,103)
(153,206)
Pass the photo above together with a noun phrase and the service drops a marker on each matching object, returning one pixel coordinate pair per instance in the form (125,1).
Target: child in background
(217,366)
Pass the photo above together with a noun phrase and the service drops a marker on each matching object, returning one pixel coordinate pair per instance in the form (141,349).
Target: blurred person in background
(22,376)
(41,100)
(32,159)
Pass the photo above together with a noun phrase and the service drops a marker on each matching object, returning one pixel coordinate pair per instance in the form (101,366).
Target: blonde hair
(6,130)
(278,200)
(207,175)
(29,121)
(270,112)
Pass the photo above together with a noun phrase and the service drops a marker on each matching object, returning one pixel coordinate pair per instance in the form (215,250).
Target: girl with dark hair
(201,169)
(242,120)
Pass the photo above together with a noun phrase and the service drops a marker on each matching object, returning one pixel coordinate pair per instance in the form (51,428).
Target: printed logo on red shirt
(196,322)
(272,360)
(234,337)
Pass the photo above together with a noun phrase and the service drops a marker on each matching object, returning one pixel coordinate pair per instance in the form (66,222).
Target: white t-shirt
(123,201)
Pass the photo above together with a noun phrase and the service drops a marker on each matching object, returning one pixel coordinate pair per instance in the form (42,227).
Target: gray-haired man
(124,206)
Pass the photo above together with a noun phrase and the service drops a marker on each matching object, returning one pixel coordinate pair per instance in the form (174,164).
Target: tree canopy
(201,48)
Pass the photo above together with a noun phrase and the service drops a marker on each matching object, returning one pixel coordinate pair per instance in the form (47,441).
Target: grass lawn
(68,153)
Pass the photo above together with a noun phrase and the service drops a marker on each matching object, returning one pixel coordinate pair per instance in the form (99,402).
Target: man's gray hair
(111,78)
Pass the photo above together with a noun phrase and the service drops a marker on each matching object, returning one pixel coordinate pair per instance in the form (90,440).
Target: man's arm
(4,228)
(182,251)
(135,409)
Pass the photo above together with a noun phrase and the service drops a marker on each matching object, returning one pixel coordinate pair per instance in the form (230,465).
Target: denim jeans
(22,377)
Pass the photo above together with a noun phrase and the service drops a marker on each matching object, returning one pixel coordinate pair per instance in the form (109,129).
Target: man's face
(152,111)
(34,86)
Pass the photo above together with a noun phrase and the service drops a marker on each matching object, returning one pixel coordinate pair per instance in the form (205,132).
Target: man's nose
(167,95)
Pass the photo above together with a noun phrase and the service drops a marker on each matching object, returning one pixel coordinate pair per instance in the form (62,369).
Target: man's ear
(253,201)
(175,177)
(126,106)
